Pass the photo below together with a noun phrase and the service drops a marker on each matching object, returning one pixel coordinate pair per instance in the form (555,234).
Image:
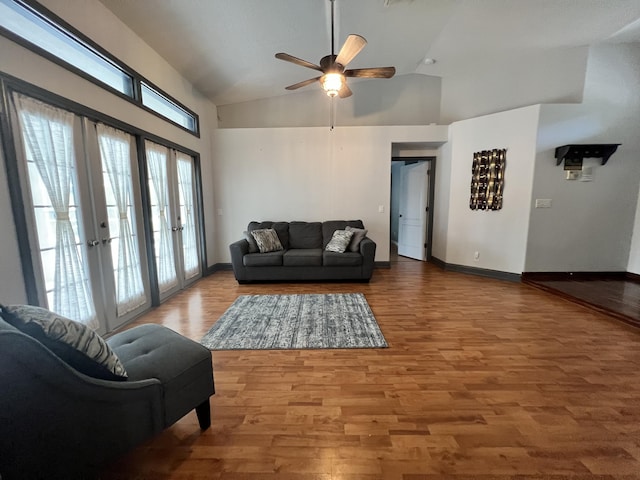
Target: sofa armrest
(368,252)
(238,250)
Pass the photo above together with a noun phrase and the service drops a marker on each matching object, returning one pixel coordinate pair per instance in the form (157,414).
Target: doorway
(411,213)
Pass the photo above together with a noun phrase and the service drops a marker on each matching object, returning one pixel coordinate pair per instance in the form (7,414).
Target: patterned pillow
(339,241)
(358,235)
(267,240)
(76,344)
(253,246)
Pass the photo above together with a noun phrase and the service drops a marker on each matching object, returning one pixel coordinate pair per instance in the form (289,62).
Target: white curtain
(189,241)
(116,158)
(157,157)
(47,133)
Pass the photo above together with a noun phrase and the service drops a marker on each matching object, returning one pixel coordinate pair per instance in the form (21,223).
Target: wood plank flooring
(483,379)
(617,296)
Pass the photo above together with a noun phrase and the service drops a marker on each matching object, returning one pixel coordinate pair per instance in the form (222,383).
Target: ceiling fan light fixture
(332,83)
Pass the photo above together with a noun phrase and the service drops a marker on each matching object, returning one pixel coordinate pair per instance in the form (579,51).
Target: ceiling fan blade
(304,83)
(350,49)
(377,72)
(345,91)
(298,61)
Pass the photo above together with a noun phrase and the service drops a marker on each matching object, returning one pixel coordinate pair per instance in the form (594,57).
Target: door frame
(430,199)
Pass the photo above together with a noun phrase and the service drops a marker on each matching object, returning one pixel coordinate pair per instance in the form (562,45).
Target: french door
(172,198)
(83,209)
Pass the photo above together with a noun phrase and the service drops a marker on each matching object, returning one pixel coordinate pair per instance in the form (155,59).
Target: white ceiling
(226,48)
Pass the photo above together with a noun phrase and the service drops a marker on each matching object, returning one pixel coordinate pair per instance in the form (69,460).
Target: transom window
(46,34)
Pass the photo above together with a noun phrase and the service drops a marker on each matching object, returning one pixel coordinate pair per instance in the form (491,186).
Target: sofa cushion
(73,342)
(263,259)
(331,226)
(346,259)
(358,235)
(302,257)
(267,240)
(305,235)
(281,228)
(339,241)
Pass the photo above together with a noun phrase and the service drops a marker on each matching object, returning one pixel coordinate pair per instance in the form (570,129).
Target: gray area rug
(270,322)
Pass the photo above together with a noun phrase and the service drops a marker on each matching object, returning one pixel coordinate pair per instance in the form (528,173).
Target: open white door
(414,198)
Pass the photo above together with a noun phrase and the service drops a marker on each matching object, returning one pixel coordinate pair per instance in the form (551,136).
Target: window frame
(23,229)
(98,51)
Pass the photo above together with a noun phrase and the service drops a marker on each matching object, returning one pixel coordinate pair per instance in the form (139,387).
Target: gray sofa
(304,256)
(57,423)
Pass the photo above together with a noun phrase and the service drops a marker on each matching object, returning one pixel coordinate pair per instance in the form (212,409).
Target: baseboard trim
(438,263)
(632,277)
(218,267)
(481,272)
(559,276)
(382,265)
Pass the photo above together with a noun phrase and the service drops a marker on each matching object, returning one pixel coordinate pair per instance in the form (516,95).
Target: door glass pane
(115,153)
(47,136)
(186,194)
(157,158)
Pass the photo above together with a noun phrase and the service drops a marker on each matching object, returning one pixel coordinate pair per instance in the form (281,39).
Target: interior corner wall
(441,201)
(308,174)
(402,100)
(589,226)
(500,236)
(488,86)
(13,289)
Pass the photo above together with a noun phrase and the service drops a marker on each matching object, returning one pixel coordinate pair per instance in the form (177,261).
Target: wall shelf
(579,152)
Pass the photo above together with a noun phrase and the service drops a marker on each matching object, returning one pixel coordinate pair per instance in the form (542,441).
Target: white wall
(499,236)
(484,87)
(116,38)
(402,100)
(441,201)
(309,174)
(590,224)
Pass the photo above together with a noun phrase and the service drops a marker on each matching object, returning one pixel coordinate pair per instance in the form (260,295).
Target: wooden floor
(482,379)
(617,296)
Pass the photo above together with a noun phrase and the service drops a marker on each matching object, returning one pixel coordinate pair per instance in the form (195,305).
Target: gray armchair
(58,423)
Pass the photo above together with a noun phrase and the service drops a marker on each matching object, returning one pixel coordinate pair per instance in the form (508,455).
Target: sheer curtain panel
(157,159)
(115,146)
(189,241)
(47,135)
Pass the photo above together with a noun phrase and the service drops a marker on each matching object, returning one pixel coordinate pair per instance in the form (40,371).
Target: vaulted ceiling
(226,48)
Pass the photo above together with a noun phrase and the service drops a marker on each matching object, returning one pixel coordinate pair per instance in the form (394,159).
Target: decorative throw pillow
(76,344)
(339,241)
(267,240)
(358,235)
(253,246)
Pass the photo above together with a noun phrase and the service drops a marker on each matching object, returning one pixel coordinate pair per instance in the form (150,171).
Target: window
(159,103)
(40,29)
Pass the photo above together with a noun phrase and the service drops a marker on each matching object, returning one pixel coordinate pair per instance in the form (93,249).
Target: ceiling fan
(333,79)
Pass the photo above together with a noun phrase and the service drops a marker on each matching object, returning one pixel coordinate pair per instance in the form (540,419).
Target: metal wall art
(487,179)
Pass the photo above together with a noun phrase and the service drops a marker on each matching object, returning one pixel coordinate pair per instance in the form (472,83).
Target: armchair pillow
(267,240)
(73,342)
(358,235)
(339,241)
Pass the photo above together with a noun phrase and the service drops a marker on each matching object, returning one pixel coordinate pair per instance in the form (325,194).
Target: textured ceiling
(226,48)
